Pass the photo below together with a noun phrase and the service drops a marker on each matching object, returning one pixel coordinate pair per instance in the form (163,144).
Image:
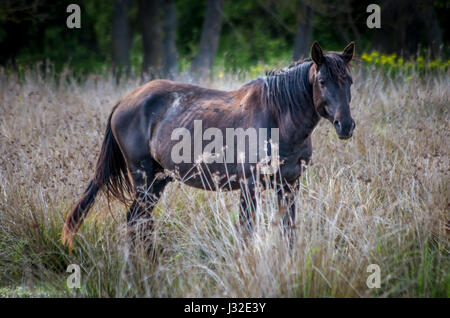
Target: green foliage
(85,50)
(254,33)
(246,42)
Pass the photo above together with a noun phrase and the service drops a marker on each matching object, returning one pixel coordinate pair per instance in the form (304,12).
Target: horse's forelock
(335,67)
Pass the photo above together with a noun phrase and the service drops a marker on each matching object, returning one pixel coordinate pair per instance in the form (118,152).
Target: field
(381,198)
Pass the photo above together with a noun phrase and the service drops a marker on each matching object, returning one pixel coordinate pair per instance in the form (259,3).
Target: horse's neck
(291,135)
(293,140)
(297,130)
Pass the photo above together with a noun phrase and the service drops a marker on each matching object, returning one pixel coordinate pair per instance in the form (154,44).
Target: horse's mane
(287,93)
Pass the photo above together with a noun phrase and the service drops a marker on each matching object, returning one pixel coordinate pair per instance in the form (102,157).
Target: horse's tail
(110,176)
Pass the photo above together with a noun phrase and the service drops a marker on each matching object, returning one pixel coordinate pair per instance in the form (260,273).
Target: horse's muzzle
(344,127)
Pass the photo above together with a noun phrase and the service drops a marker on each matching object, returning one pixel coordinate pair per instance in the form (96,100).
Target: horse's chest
(294,164)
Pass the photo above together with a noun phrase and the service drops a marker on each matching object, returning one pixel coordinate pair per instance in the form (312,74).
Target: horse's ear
(348,52)
(317,53)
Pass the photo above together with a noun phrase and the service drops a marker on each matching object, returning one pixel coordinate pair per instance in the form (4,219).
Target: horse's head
(331,87)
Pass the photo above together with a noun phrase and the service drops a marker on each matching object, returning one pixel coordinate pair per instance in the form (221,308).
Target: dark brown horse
(139,145)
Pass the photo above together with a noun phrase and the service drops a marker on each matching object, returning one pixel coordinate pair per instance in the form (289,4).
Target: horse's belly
(208,176)
(201,183)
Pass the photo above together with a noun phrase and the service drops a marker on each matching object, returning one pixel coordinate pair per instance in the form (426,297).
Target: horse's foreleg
(247,208)
(288,204)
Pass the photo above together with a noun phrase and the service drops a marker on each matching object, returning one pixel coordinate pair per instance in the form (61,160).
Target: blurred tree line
(163,37)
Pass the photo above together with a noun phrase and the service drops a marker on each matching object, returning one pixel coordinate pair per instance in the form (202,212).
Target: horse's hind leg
(148,189)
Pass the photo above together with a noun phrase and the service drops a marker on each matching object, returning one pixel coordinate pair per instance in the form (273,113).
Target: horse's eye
(321,82)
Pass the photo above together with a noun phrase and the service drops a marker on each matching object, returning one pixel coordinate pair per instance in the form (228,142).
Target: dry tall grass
(380,198)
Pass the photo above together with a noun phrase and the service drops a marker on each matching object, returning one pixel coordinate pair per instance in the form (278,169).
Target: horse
(137,161)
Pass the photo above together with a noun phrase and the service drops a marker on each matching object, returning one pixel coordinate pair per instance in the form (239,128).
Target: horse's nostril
(337,124)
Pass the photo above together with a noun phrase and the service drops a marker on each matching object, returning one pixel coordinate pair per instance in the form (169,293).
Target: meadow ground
(381,198)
